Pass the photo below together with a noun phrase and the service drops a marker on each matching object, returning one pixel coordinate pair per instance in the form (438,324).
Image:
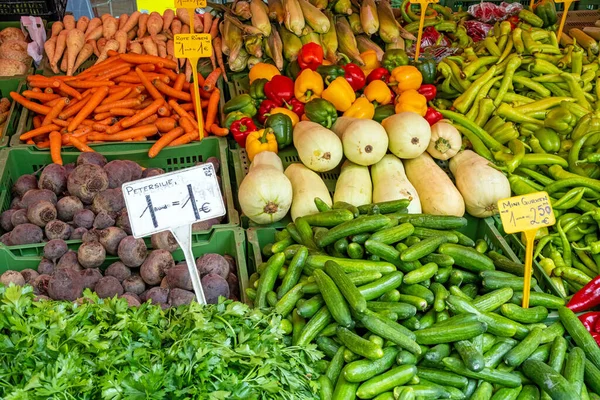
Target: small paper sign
(193,45)
(168,201)
(190,3)
(527,212)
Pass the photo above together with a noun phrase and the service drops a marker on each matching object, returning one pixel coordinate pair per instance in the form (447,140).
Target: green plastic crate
(8,85)
(225,242)
(19,161)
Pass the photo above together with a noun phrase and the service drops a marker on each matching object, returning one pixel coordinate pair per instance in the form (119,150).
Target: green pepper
(382,112)
(321,111)
(330,72)
(257,90)
(428,68)
(243,103)
(282,128)
(232,117)
(546,10)
(395,58)
(549,140)
(561,120)
(293,70)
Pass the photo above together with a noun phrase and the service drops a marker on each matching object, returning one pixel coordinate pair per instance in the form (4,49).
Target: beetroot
(180,297)
(155,266)
(123,221)
(110,201)
(164,240)
(150,172)
(69,168)
(90,236)
(132,251)
(118,270)
(91,254)
(13,277)
(55,249)
(24,184)
(157,295)
(110,239)
(58,229)
(84,219)
(132,299)
(215,162)
(40,284)
(5,239)
(91,158)
(214,286)
(164,283)
(26,234)
(86,181)
(5,220)
(179,277)
(204,225)
(54,178)
(213,263)
(108,286)
(69,261)
(89,277)
(134,169)
(134,284)
(45,266)
(35,195)
(77,234)
(15,203)
(103,220)
(29,275)
(67,207)
(65,284)
(18,217)
(118,173)
(41,212)
(234,285)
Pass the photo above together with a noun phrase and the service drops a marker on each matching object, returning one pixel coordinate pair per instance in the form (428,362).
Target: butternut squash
(318,148)
(391,183)
(306,185)
(354,185)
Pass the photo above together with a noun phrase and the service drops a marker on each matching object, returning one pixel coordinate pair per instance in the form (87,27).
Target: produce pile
(14,59)
(405,306)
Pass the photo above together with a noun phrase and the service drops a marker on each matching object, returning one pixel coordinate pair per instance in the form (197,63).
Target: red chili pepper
(587,297)
(596,337)
(379,74)
(265,108)
(296,106)
(429,91)
(432,116)
(393,101)
(279,89)
(240,130)
(589,320)
(310,56)
(514,21)
(355,76)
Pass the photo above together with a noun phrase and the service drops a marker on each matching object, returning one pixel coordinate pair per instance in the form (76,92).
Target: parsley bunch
(103,349)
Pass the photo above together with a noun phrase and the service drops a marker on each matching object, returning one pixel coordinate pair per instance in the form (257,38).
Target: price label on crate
(173,202)
(193,45)
(424,4)
(190,4)
(526,213)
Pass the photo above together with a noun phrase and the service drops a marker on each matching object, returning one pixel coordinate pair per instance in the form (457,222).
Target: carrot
(60,123)
(149,87)
(75,42)
(146,130)
(73,108)
(106,121)
(55,146)
(147,59)
(127,103)
(116,95)
(30,105)
(145,113)
(122,112)
(188,70)
(184,139)
(169,91)
(213,106)
(101,116)
(164,141)
(55,110)
(189,106)
(30,94)
(218,47)
(37,121)
(147,67)
(182,113)
(42,130)
(211,80)
(144,104)
(100,127)
(114,73)
(63,87)
(186,124)
(165,124)
(218,131)
(164,111)
(87,122)
(43,145)
(40,83)
(135,91)
(79,145)
(87,84)
(89,108)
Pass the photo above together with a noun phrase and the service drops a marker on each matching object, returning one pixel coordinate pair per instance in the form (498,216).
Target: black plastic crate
(51,10)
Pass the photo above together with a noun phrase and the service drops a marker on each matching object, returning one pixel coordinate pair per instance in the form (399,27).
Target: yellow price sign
(526,213)
(424,4)
(190,3)
(192,45)
(566,6)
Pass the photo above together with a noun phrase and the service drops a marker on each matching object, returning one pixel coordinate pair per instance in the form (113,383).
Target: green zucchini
(268,278)
(434,221)
(467,257)
(337,363)
(363,370)
(441,260)
(524,315)
(450,333)
(333,299)
(355,299)
(421,249)
(442,377)
(294,271)
(382,285)
(494,356)
(315,325)
(524,349)
(363,224)
(358,345)
(385,207)
(317,261)
(472,357)
(391,331)
(549,380)
(492,300)
(344,390)
(492,376)
(402,309)
(539,299)
(355,251)
(394,234)
(397,376)
(580,335)
(575,368)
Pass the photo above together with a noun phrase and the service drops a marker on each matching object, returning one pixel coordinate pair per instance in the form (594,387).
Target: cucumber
(333,299)
(523,350)
(357,278)
(426,233)
(575,369)
(456,291)
(507,379)
(392,296)
(552,331)
(341,246)
(388,315)
(382,285)
(394,234)
(267,280)
(467,257)
(281,245)
(427,320)
(327,346)
(542,353)
(291,251)
(361,238)
(272,298)
(329,218)
(472,357)
(591,377)
(401,393)
(306,233)
(406,357)
(509,266)
(539,299)
(494,356)
(437,353)
(421,249)
(363,370)
(442,316)
(251,293)
(317,261)
(325,387)
(335,366)
(322,207)
(516,283)
(286,304)
(529,392)
(294,272)
(442,377)
(549,380)
(428,390)
(488,341)
(342,205)
(421,274)
(410,241)
(391,331)
(558,352)
(355,251)
(293,231)
(492,300)
(524,315)
(344,390)
(349,356)
(412,323)
(397,376)
(315,325)
(403,310)
(496,275)
(418,302)
(354,298)
(496,324)
(440,293)
(441,260)
(443,274)
(434,221)
(419,291)
(308,308)
(385,207)
(507,393)
(363,224)
(465,240)
(580,335)
(450,333)
(483,392)
(298,324)
(358,345)
(481,246)
(459,276)
(386,252)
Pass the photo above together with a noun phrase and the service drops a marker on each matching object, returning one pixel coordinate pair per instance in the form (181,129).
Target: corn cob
(565,40)
(593,32)
(343,7)
(368,17)
(232,38)
(347,41)
(389,29)
(252,61)
(240,62)
(355,25)
(365,44)
(329,40)
(260,16)
(398,44)
(314,17)
(276,11)
(320,4)
(293,17)
(241,9)
(310,36)
(253,45)
(224,43)
(247,29)
(584,40)
(291,44)
(276,48)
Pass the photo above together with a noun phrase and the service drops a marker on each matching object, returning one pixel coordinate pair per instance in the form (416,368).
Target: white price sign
(173,202)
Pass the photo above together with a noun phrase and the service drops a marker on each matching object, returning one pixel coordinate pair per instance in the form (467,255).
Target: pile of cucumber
(407,307)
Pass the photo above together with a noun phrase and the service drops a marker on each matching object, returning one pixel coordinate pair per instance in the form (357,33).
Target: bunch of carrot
(72,42)
(127,97)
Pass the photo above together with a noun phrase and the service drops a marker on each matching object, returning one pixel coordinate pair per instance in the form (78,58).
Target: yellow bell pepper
(259,141)
(378,91)
(340,94)
(411,100)
(369,57)
(407,77)
(263,71)
(361,108)
(282,110)
(308,85)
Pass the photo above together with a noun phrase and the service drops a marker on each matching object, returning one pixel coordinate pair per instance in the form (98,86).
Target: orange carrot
(213,106)
(87,122)
(147,59)
(42,130)
(218,47)
(135,91)
(60,85)
(182,113)
(147,67)
(187,125)
(54,111)
(164,111)
(146,130)
(30,105)
(165,124)
(90,84)
(169,91)
(121,112)
(89,108)
(188,106)
(114,128)
(147,121)
(101,116)
(184,139)
(100,127)
(211,80)
(144,104)
(52,103)
(106,121)
(30,94)
(79,145)
(164,141)
(37,121)
(39,83)
(55,146)
(116,96)
(218,131)
(128,103)
(149,87)
(114,73)
(60,122)
(179,82)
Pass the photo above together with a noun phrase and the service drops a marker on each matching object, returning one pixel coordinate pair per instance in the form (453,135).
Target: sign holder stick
(530,238)
(183,234)
(424,4)
(194,64)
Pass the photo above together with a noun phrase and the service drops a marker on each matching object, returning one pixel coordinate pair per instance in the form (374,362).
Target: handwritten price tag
(524,213)
(193,45)
(190,3)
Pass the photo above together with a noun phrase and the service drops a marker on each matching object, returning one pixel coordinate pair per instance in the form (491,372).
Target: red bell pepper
(589,320)
(355,76)
(379,74)
(296,106)
(264,109)
(310,56)
(279,89)
(429,91)
(587,297)
(514,21)
(240,130)
(432,116)
(596,337)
